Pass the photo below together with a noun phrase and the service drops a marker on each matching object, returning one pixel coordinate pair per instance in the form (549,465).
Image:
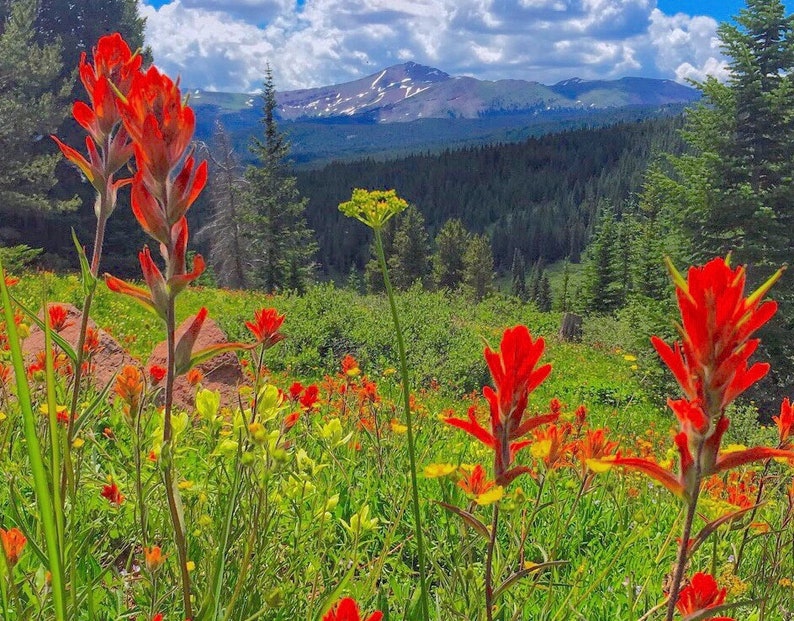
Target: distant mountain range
(412,107)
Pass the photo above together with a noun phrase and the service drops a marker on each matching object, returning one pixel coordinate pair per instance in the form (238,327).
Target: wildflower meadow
(406,456)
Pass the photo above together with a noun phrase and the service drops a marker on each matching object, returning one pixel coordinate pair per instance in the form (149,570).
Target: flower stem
(683,546)
(174,501)
(489,564)
(408,423)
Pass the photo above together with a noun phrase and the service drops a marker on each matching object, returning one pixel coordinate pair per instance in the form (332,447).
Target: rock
(109,359)
(222,373)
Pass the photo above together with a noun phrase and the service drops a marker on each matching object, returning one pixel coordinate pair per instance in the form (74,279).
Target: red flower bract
(711,361)
(515,376)
(347,610)
(265,326)
(700,594)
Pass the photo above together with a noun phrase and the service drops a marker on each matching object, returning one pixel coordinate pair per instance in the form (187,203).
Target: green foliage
(33,100)
(518,276)
(278,244)
(448,265)
(733,189)
(478,268)
(538,196)
(409,259)
(16,258)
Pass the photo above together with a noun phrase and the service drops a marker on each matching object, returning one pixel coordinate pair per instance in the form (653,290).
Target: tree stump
(571,328)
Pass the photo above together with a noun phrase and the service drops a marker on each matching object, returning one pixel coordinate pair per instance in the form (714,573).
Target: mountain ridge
(412,107)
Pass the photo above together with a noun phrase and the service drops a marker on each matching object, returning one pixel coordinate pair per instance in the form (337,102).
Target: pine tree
(733,190)
(478,271)
(409,262)
(602,279)
(518,283)
(32,104)
(279,243)
(451,243)
(225,230)
(544,296)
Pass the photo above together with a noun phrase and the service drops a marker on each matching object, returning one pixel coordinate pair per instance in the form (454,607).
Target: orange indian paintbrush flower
(108,143)
(515,377)
(711,364)
(13,543)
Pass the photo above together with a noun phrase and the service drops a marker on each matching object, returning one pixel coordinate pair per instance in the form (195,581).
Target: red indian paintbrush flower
(165,185)
(702,593)
(112,494)
(265,326)
(13,544)
(711,366)
(515,377)
(347,610)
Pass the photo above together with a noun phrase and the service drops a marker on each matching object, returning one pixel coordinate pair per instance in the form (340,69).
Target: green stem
(174,501)
(41,485)
(408,423)
(489,565)
(683,547)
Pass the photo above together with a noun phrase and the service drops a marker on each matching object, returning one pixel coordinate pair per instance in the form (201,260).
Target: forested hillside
(539,196)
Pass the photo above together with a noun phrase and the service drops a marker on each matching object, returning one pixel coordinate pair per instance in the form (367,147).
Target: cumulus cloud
(225,44)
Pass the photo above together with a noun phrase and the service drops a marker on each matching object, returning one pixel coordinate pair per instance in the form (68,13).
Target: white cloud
(225,44)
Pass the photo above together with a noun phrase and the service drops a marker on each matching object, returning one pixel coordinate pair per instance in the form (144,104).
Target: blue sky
(226,44)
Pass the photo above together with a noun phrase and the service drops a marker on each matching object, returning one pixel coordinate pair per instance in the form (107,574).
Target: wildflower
(350,366)
(711,366)
(701,594)
(112,72)
(373,208)
(310,397)
(290,420)
(295,391)
(785,421)
(92,343)
(265,326)
(347,610)
(157,373)
(129,387)
(434,471)
(474,483)
(112,494)
(594,448)
(13,544)
(550,445)
(58,317)
(397,427)
(154,558)
(194,377)
(515,377)
(61,413)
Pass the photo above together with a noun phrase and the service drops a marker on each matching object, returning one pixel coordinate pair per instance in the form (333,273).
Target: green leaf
(88,278)
(467,517)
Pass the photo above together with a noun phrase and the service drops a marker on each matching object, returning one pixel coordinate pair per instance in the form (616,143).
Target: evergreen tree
(32,104)
(451,243)
(518,284)
(566,279)
(734,188)
(278,241)
(478,271)
(544,296)
(409,253)
(225,230)
(602,278)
